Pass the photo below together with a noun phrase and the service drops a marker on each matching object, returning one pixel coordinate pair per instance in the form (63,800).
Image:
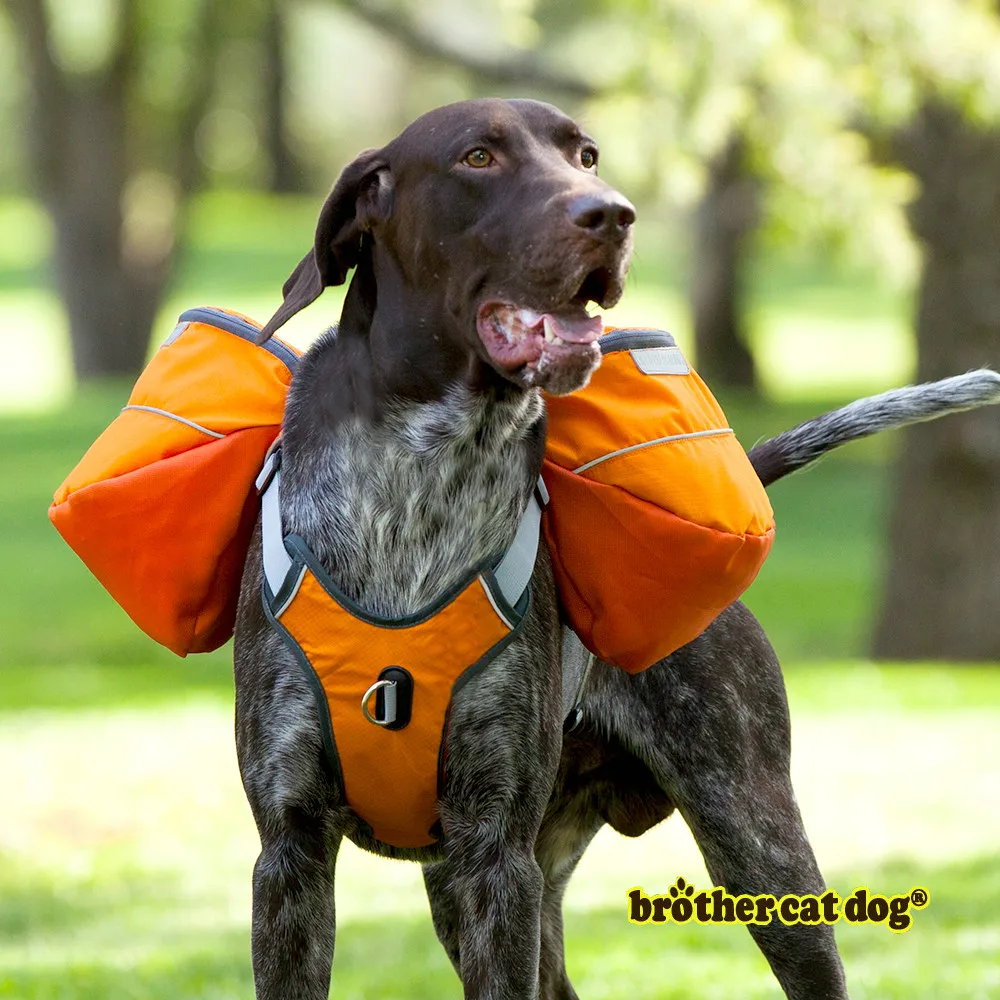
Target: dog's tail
(793,449)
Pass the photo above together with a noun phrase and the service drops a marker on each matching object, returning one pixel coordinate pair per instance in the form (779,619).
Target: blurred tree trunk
(287,175)
(114,238)
(725,221)
(941,596)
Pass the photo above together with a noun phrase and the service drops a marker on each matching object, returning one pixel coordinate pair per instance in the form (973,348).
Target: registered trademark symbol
(919,897)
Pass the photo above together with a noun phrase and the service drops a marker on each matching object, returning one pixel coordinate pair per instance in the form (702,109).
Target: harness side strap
(514,570)
(277,562)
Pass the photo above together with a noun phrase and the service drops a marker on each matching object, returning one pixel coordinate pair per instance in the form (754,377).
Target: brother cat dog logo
(683,903)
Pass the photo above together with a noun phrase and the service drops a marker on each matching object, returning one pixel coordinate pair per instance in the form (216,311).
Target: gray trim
(175,333)
(660,361)
(277,562)
(494,604)
(289,588)
(301,553)
(241,328)
(514,570)
(285,559)
(173,416)
(543,491)
(574,666)
(649,444)
(488,657)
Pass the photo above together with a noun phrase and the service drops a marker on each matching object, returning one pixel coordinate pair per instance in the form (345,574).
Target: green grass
(949,953)
(126,849)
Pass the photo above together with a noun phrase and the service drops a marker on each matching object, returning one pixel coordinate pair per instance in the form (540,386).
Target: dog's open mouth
(556,347)
(516,338)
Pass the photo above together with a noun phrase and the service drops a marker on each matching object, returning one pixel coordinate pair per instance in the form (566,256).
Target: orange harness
(390,763)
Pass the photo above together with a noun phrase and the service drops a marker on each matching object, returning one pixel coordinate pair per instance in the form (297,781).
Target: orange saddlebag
(162,506)
(657,520)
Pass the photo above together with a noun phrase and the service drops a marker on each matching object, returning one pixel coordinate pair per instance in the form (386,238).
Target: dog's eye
(479,158)
(588,158)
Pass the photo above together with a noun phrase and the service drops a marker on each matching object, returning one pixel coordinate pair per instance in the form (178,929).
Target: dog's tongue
(572,329)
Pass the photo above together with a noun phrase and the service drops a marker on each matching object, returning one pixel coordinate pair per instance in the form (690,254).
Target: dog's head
(485,225)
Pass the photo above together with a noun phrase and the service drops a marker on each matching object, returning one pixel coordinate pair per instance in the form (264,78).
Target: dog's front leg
(556,868)
(503,750)
(552,981)
(299,818)
(293,910)
(497,886)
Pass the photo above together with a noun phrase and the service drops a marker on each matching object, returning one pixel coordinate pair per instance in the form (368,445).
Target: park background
(818,189)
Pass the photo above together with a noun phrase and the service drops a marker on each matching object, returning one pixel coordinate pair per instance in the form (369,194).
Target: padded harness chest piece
(391,772)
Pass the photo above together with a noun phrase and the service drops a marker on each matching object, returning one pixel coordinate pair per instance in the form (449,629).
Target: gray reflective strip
(649,444)
(280,609)
(268,467)
(493,602)
(173,416)
(175,333)
(277,562)
(543,491)
(623,340)
(513,572)
(660,361)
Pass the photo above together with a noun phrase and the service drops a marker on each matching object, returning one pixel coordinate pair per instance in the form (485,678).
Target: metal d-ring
(390,703)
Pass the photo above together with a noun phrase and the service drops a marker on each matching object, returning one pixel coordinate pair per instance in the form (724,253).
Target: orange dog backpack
(162,506)
(656,521)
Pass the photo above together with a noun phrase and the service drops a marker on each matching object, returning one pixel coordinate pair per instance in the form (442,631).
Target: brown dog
(412,440)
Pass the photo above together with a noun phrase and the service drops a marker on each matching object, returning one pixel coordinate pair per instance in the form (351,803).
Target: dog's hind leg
(711,724)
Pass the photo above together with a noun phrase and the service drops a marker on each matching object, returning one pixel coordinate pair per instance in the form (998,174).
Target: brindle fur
(407,459)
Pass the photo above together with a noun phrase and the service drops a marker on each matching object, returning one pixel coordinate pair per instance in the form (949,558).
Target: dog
(412,441)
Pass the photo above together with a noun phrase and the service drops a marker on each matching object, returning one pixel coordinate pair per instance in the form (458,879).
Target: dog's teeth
(550,335)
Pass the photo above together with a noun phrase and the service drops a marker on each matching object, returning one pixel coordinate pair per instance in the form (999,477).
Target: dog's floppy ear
(361,196)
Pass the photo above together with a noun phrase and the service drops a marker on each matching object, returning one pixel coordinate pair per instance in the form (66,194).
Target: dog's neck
(399,497)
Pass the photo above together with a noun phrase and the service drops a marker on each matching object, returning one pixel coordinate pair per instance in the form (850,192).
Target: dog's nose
(604,214)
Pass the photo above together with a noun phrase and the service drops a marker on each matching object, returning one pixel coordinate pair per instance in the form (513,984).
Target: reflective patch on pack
(660,361)
(175,333)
